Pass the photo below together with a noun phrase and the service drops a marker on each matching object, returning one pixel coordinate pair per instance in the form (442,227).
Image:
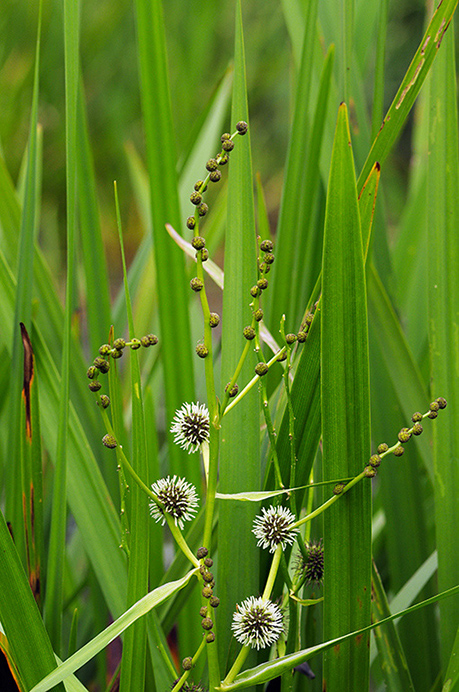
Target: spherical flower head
(257,623)
(273,527)
(179,500)
(313,566)
(191,426)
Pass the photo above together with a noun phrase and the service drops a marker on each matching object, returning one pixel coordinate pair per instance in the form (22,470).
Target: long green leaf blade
(345,421)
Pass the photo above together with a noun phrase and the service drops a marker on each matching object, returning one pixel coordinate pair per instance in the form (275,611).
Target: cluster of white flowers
(179,499)
(257,623)
(191,426)
(273,527)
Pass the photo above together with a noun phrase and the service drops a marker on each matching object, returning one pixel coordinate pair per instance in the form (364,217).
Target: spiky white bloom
(191,426)
(274,526)
(257,623)
(179,499)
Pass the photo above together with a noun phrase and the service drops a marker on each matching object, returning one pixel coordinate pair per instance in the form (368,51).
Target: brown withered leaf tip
(28,378)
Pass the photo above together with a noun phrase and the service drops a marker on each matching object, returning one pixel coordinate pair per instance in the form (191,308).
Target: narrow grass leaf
(452,672)
(20,617)
(89,650)
(443,275)
(54,593)
(345,421)
(391,656)
(409,88)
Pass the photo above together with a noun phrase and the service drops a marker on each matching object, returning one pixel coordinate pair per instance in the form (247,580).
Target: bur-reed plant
(242,539)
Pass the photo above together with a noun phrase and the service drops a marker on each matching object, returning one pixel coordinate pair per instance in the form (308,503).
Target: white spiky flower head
(191,426)
(257,623)
(273,527)
(179,499)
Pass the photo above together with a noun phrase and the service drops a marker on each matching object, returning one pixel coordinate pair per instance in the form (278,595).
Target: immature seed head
(375,460)
(383,447)
(214,320)
(104,401)
(398,451)
(203,209)
(178,499)
(215,176)
(212,165)
(254,291)
(202,350)
(191,427)
(135,344)
(261,369)
(257,623)
(404,435)
(228,145)
(266,246)
(258,315)
(119,344)
(102,364)
(94,386)
(207,624)
(313,565)
(191,222)
(198,185)
(233,391)
(187,663)
(91,373)
(262,284)
(198,242)
(242,127)
(249,333)
(202,553)
(369,471)
(290,338)
(442,403)
(196,284)
(196,198)
(302,336)
(417,429)
(109,441)
(210,638)
(416,417)
(204,255)
(105,349)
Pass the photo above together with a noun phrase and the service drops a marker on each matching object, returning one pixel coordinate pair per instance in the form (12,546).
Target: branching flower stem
(175,531)
(178,686)
(252,382)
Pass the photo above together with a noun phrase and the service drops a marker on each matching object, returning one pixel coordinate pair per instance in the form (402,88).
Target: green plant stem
(224,406)
(178,686)
(214,443)
(252,382)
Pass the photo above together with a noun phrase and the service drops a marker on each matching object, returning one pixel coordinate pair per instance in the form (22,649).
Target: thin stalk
(252,382)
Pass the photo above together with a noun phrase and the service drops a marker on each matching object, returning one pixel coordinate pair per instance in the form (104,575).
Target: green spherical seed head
(212,165)
(196,284)
(208,577)
(102,364)
(135,344)
(198,242)
(109,441)
(261,369)
(104,401)
(145,341)
(203,612)
(416,417)
(214,320)
(369,472)
(191,222)
(187,663)
(338,489)
(202,553)
(302,336)
(223,159)
(375,460)
(432,414)
(202,351)
(105,349)
(91,372)
(282,356)
(214,602)
(262,284)
(225,135)
(242,127)
(203,209)
(208,562)
(266,245)
(308,319)
(210,638)
(198,184)
(254,291)
(290,338)
(269,258)
(207,592)
(233,391)
(417,429)
(196,198)
(441,402)
(207,624)
(117,354)
(258,315)
(249,333)
(404,435)
(434,406)
(215,176)
(153,339)
(228,145)
(399,451)
(383,447)
(204,254)
(119,344)
(94,386)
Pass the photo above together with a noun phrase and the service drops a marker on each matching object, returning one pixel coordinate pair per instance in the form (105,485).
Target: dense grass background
(134,91)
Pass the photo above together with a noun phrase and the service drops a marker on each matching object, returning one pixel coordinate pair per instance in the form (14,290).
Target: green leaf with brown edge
(345,421)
